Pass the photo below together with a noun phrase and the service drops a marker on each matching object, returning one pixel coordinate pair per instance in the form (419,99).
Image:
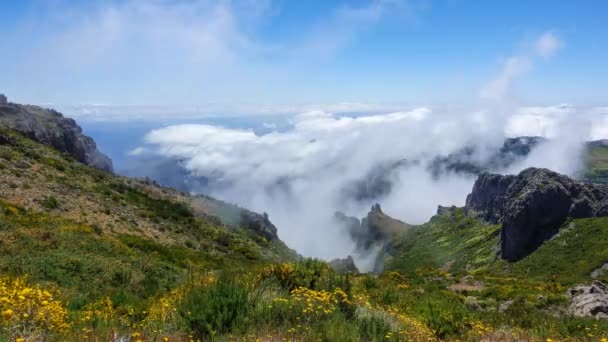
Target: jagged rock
(259,223)
(589,301)
(532,206)
(49,127)
(374,230)
(441,210)
(598,272)
(3,99)
(346,265)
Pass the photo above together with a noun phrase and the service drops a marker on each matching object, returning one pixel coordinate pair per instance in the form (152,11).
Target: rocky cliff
(51,128)
(532,206)
(374,230)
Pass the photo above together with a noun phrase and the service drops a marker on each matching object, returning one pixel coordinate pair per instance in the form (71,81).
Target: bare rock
(589,301)
(532,206)
(598,272)
(504,306)
(346,265)
(260,224)
(51,128)
(3,99)
(374,230)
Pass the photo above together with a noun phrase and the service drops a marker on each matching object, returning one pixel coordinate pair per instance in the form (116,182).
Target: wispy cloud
(160,52)
(546,45)
(346,23)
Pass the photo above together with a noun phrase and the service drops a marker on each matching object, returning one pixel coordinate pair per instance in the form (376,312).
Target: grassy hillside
(90,256)
(597,164)
(96,235)
(452,260)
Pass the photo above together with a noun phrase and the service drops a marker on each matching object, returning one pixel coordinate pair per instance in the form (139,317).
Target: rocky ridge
(51,128)
(532,206)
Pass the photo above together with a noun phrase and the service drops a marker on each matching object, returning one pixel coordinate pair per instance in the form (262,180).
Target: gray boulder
(532,206)
(589,301)
(600,271)
(50,128)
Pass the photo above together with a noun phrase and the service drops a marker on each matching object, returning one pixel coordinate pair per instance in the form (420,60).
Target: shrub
(305,273)
(373,328)
(29,312)
(50,202)
(215,310)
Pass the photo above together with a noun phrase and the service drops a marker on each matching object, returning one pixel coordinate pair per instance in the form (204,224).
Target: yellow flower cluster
(162,312)
(30,311)
(478,328)
(411,329)
(363,300)
(101,310)
(319,302)
(282,271)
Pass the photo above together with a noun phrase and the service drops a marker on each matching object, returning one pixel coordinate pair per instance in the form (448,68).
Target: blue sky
(291,53)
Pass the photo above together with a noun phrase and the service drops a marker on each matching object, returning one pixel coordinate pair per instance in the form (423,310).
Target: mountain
(49,127)
(89,255)
(83,228)
(532,206)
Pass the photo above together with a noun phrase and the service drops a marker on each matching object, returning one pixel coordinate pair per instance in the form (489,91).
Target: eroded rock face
(589,301)
(346,265)
(49,127)
(532,206)
(374,230)
(259,223)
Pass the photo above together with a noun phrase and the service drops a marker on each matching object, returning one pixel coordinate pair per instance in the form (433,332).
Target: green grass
(570,257)
(596,165)
(451,240)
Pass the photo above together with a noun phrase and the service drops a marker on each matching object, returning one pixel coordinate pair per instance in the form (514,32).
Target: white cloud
(298,175)
(547,44)
(513,68)
(102,112)
(344,25)
(519,65)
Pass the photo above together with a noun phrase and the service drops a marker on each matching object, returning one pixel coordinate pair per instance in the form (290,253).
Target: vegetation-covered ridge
(96,235)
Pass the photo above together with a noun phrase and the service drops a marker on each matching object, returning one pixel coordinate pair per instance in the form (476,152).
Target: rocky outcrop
(532,206)
(3,99)
(589,301)
(260,224)
(374,230)
(346,265)
(49,127)
(600,271)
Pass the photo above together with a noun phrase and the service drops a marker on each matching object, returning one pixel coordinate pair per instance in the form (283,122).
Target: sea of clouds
(298,175)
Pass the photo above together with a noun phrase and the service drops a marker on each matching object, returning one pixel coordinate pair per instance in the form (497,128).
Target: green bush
(50,202)
(215,310)
(373,328)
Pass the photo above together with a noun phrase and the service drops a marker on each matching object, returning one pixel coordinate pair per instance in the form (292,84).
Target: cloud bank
(298,176)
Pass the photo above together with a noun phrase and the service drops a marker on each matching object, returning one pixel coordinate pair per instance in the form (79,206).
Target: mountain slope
(76,226)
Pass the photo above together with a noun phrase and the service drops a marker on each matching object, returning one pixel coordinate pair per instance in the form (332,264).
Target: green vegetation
(96,255)
(597,164)
(452,260)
